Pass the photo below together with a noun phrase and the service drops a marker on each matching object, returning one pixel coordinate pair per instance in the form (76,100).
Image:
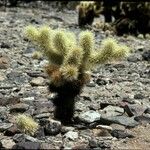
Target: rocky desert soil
(112,112)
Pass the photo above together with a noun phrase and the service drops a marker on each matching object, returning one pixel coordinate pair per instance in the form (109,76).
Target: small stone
(5,45)
(85,97)
(43,115)
(93,143)
(90,116)
(65,129)
(147,111)
(52,127)
(47,146)
(146,55)
(20,107)
(71,135)
(121,134)
(37,81)
(138,96)
(28,99)
(101,132)
(109,128)
(134,58)
(7,143)
(27,145)
(90,84)
(2,78)
(3,113)
(5,126)
(4,101)
(30,138)
(140,36)
(101,81)
(80,146)
(4,63)
(11,131)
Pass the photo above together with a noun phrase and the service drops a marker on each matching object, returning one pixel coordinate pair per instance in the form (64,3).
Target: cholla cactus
(87,11)
(26,124)
(69,61)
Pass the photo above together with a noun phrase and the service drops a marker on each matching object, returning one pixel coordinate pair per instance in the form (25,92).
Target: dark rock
(143,119)
(85,96)
(12,131)
(138,96)
(134,110)
(147,111)
(101,81)
(119,66)
(121,134)
(20,107)
(52,127)
(4,101)
(27,145)
(5,45)
(36,74)
(93,143)
(146,55)
(103,105)
(39,133)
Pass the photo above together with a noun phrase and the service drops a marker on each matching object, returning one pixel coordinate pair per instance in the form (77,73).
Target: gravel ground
(112,112)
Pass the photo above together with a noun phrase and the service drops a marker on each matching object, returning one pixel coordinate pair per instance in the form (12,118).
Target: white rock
(90,116)
(71,135)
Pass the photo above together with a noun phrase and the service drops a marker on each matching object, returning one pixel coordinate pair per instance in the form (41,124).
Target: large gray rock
(123,120)
(90,116)
(112,111)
